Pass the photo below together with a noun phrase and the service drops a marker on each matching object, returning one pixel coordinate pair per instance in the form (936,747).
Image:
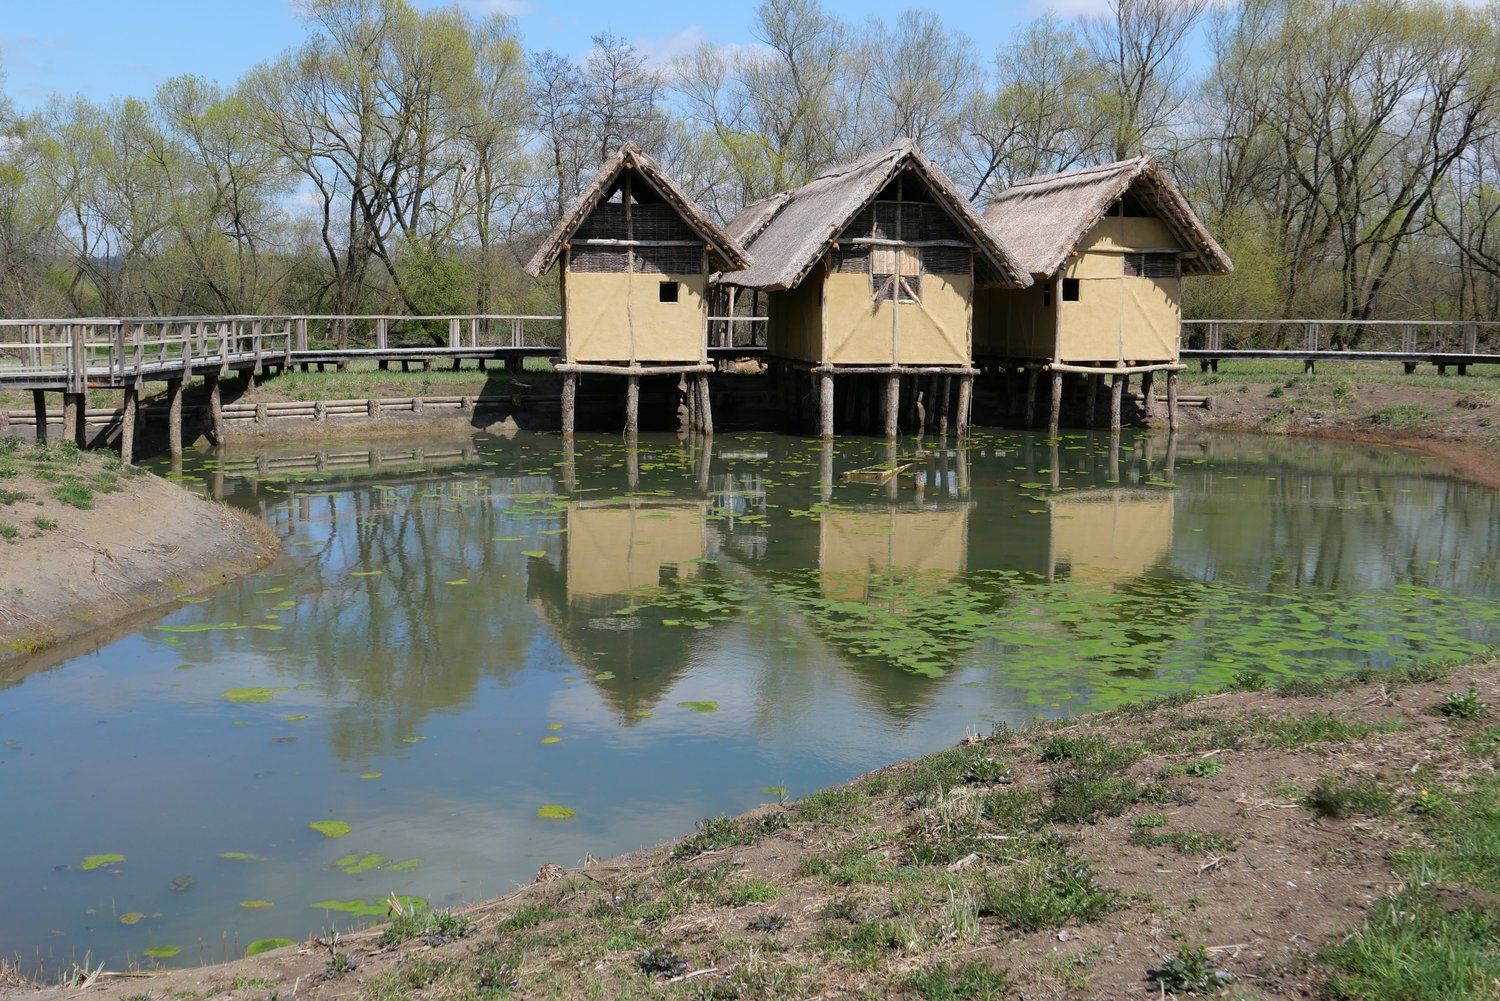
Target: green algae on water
(162,951)
(261,945)
(371,775)
(242,857)
(99,861)
(256,905)
(554,811)
(331,828)
(247,695)
(131,918)
(700,707)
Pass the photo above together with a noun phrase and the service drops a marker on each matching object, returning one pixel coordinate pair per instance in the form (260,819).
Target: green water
(484,654)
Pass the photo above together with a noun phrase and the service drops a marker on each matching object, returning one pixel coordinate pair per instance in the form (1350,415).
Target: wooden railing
(1409,337)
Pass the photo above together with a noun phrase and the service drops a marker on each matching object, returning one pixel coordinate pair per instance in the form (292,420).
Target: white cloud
(513,8)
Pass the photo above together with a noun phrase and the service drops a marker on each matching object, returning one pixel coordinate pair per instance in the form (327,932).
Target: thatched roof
(630,157)
(1044,217)
(790,232)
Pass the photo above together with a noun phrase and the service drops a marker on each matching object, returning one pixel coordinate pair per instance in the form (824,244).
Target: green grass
(9,532)
(966,981)
(433,927)
(1403,415)
(1187,842)
(1335,797)
(717,833)
(1034,896)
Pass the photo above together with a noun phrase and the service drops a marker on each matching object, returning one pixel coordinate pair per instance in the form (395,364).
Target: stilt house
(870,271)
(1107,247)
(634,255)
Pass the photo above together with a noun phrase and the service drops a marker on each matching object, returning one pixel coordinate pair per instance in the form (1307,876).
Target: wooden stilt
(39,407)
(1148,392)
(705,405)
(174,418)
(892,405)
(215,409)
(1054,416)
(1114,452)
(632,404)
(965,405)
(825,471)
(825,406)
(1090,394)
(1172,401)
(632,464)
(943,406)
(70,416)
(127,426)
(569,464)
(569,401)
(1116,391)
(1031,378)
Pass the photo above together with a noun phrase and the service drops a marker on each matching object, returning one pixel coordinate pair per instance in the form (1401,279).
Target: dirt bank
(88,543)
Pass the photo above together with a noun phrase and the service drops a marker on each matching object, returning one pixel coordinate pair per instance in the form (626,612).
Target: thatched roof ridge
(627,157)
(1044,217)
(790,232)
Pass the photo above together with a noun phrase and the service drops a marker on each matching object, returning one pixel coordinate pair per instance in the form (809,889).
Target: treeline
(1345,152)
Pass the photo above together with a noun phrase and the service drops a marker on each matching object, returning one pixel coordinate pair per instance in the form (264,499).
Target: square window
(667,292)
(1070,290)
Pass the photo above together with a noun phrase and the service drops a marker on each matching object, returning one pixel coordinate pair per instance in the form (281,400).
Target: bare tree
(1139,45)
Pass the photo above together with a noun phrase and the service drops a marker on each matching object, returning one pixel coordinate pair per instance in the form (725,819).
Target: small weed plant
(1337,798)
(1188,971)
(1463,705)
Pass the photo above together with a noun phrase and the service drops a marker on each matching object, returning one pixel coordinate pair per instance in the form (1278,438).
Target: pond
(484,654)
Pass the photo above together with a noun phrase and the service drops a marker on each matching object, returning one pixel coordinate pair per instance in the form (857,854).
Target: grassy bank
(1337,839)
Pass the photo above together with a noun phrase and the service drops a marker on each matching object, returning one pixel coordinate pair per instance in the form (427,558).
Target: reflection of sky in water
(867,622)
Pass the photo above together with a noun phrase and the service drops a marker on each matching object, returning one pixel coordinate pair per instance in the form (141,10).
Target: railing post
(382,332)
(1471,338)
(517,336)
(257,328)
(1310,337)
(78,371)
(453,332)
(473,332)
(301,334)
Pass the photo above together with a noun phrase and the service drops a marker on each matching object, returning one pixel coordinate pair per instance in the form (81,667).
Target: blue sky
(116,48)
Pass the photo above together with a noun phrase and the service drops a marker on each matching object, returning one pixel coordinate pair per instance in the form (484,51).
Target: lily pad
(182,884)
(535,554)
(605,676)
(700,707)
(404,865)
(242,857)
(554,726)
(554,811)
(331,828)
(371,775)
(99,861)
(256,905)
(551,740)
(131,917)
(295,717)
(261,945)
(247,695)
(367,573)
(162,951)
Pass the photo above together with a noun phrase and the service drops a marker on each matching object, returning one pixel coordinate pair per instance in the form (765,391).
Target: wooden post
(943,406)
(1031,376)
(825,470)
(1116,389)
(632,403)
(39,407)
(1172,401)
(965,404)
(569,401)
(1148,392)
(1090,393)
(825,406)
(127,426)
(1054,416)
(705,404)
(174,417)
(74,405)
(892,405)
(215,408)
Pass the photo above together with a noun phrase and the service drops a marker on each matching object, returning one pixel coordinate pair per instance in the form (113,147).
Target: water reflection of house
(611,553)
(1109,534)
(857,547)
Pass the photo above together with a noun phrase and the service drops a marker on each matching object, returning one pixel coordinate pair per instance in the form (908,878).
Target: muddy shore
(73,576)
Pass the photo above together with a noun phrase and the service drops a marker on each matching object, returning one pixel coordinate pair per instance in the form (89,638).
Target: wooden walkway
(73,356)
(1409,343)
